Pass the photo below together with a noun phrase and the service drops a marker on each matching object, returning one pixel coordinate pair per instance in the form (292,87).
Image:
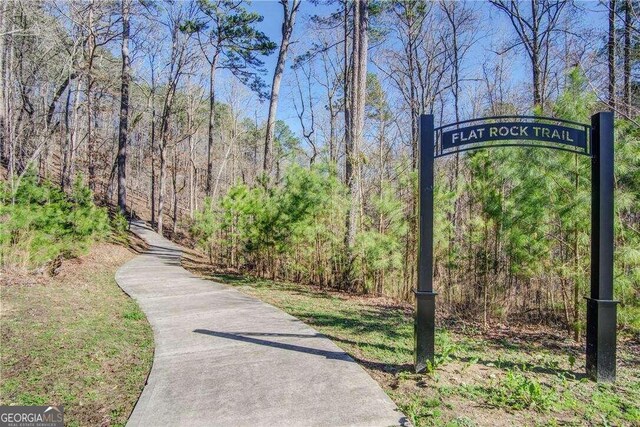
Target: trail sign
(595,141)
(514,131)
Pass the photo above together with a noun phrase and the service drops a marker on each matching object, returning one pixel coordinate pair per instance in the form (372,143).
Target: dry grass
(74,339)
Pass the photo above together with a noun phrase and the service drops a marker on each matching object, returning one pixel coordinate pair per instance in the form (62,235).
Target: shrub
(517,391)
(294,222)
(119,223)
(41,223)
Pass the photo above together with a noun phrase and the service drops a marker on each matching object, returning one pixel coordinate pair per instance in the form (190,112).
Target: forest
(281,139)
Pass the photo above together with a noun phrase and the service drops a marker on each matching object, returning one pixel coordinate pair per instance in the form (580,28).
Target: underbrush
(517,391)
(40,224)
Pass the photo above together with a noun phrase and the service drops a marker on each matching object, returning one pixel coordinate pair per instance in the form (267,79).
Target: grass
(503,377)
(74,339)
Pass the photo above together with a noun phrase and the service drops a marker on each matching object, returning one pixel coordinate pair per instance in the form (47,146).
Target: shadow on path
(244,337)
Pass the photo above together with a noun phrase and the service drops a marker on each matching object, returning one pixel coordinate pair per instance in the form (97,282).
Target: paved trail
(227,359)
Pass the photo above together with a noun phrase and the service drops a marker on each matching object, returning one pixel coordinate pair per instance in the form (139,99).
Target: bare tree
(89,58)
(124,109)
(179,59)
(627,56)
(418,70)
(228,40)
(4,23)
(306,102)
(332,72)
(535,30)
(289,17)
(611,54)
(99,33)
(331,47)
(151,102)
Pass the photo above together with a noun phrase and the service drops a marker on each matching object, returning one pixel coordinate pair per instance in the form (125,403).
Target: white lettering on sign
(471,135)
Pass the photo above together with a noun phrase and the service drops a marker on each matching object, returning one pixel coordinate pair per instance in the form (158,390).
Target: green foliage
(376,100)
(381,245)
(518,391)
(205,224)
(133,314)
(287,221)
(627,206)
(41,223)
(575,103)
(572,360)
(572,205)
(447,351)
(286,143)
(119,223)
(299,225)
(231,31)
(529,215)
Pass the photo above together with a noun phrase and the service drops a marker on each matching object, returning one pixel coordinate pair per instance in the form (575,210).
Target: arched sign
(595,141)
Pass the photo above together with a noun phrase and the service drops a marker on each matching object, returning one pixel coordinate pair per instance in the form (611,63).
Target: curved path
(225,358)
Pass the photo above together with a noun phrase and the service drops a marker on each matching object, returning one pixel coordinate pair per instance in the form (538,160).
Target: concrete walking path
(223,358)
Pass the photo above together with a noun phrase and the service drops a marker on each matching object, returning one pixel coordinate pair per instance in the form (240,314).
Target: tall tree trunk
(164,142)
(627,57)
(359,56)
(124,110)
(611,54)
(192,178)
(535,57)
(64,173)
(91,46)
(164,130)
(163,178)
(191,163)
(9,137)
(333,156)
(287,28)
(379,276)
(349,83)
(174,182)
(111,180)
(4,24)
(153,151)
(73,139)
(212,115)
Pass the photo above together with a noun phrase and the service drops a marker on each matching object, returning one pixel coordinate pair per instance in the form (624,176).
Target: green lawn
(503,377)
(75,339)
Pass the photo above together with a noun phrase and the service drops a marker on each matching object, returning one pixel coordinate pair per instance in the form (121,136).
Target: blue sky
(494,28)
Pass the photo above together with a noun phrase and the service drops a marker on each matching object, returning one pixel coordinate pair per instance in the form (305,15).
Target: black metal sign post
(507,131)
(425,326)
(601,308)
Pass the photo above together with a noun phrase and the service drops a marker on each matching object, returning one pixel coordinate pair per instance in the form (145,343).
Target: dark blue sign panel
(514,131)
